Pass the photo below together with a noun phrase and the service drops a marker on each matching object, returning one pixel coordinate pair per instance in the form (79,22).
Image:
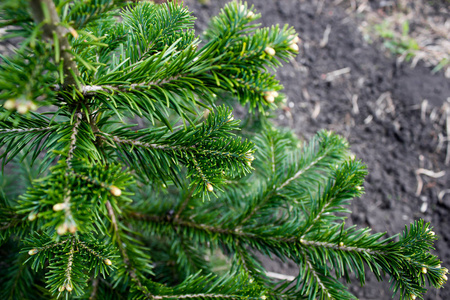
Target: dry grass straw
(429,28)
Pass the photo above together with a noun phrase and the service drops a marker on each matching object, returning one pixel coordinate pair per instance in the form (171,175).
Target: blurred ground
(397,118)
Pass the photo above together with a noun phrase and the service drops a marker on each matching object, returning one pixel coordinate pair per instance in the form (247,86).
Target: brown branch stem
(44,11)
(239,233)
(123,251)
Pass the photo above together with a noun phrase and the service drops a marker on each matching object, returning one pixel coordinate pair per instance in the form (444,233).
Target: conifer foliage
(126,178)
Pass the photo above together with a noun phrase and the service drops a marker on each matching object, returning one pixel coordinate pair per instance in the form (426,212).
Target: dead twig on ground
(384,104)
(442,194)
(355,107)
(326,35)
(368,120)
(316,110)
(428,173)
(330,76)
(447,129)
(423,109)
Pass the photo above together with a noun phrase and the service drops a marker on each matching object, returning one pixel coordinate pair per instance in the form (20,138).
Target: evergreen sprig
(106,190)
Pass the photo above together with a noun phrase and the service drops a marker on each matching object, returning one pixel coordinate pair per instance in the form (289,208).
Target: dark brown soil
(390,130)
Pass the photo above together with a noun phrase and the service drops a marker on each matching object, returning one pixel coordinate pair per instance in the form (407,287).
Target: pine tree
(125,174)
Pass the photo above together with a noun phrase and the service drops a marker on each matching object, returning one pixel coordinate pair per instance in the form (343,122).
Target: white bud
(61,289)
(72,228)
(341,244)
(294,47)
(445,277)
(209,187)
(424,270)
(413,297)
(269,98)
(62,229)
(32,217)
(270,51)
(294,39)
(250,15)
(115,191)
(59,206)
(22,108)
(69,287)
(33,251)
(10,104)
(32,106)
(107,262)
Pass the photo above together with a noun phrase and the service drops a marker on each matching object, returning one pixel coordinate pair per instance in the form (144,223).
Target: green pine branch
(114,209)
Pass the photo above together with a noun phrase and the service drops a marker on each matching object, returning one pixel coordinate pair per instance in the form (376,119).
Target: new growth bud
(61,288)
(295,39)
(33,251)
(107,262)
(424,270)
(62,229)
(209,187)
(341,244)
(270,51)
(72,228)
(32,217)
(69,287)
(294,47)
(22,108)
(115,191)
(32,106)
(269,97)
(59,206)
(10,104)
